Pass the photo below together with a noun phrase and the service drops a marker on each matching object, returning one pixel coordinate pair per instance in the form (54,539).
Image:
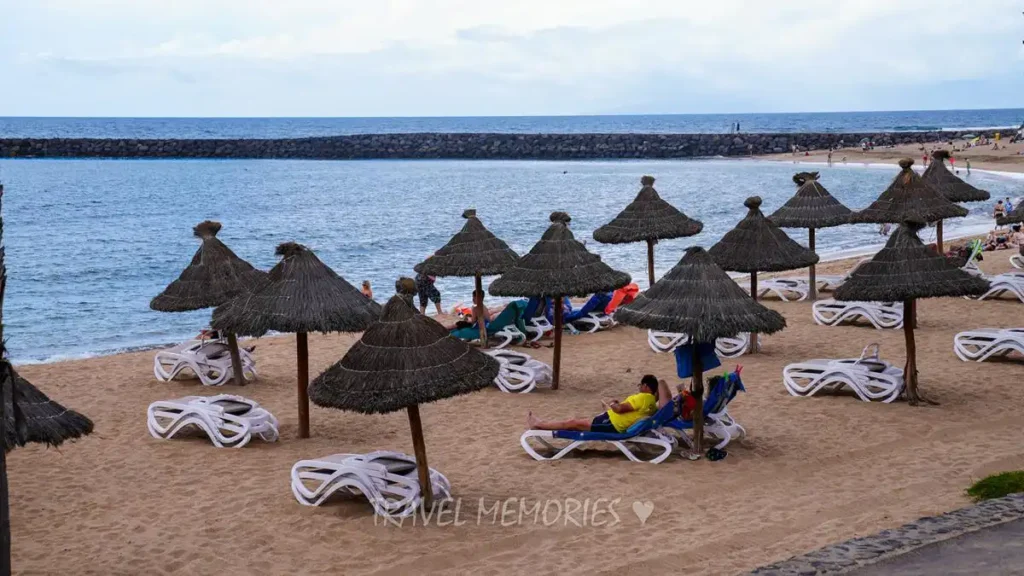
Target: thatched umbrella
(811,207)
(950,186)
(215,275)
(473,251)
(558,266)
(302,295)
(755,245)
(908,199)
(26,416)
(648,218)
(404,360)
(904,271)
(697,298)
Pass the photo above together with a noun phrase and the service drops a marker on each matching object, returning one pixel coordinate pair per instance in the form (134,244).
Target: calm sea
(658,123)
(90,242)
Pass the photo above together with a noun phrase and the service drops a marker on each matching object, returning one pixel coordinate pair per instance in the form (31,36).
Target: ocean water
(90,242)
(652,123)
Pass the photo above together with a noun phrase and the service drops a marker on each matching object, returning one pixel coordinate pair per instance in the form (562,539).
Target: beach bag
(684,359)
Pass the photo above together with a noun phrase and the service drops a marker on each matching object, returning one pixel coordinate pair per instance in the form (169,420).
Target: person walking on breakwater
(426,290)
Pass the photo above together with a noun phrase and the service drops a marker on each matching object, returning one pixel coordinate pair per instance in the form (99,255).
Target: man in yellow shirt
(618,417)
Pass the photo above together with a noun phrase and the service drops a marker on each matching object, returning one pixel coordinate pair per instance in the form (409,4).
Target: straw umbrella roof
(558,265)
(403,360)
(948,184)
(906,269)
(811,207)
(756,244)
(908,198)
(215,275)
(698,298)
(473,251)
(1014,217)
(647,217)
(302,294)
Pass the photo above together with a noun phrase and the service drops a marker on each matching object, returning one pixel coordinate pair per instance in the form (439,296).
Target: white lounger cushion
(519,372)
(208,360)
(387,479)
(662,342)
(870,377)
(981,344)
(229,421)
(881,315)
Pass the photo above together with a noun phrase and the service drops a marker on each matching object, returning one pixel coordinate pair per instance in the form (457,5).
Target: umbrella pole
(698,393)
(302,352)
(914,397)
(236,359)
(5,510)
(938,236)
(478,296)
(420,449)
(753,294)
(813,277)
(556,309)
(650,263)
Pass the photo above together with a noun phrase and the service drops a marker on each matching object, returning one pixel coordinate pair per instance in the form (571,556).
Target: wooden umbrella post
(698,393)
(650,263)
(5,509)
(420,450)
(753,294)
(478,297)
(236,359)
(813,278)
(938,237)
(910,372)
(556,309)
(302,353)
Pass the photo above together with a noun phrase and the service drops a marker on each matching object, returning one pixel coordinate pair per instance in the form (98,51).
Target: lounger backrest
(532,308)
(503,319)
(656,420)
(723,390)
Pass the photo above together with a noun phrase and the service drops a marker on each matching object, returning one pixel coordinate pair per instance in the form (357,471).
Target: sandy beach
(811,472)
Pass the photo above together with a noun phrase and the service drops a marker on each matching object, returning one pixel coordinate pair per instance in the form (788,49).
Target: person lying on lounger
(619,415)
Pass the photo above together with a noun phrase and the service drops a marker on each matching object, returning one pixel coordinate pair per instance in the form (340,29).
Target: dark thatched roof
(947,184)
(906,269)
(1014,217)
(30,416)
(301,295)
(214,276)
(403,360)
(697,298)
(756,244)
(909,199)
(473,250)
(811,207)
(648,217)
(558,265)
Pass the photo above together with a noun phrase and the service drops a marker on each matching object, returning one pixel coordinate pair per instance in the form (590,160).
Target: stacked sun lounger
(881,315)
(733,347)
(519,373)
(870,377)
(229,421)
(984,343)
(208,360)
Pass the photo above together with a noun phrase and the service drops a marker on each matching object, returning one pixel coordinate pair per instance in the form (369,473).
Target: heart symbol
(643,510)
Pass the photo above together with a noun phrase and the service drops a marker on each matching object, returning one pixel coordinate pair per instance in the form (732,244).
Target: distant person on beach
(1009,205)
(830,157)
(924,159)
(884,229)
(366,290)
(1000,210)
(1017,236)
(968,162)
(426,290)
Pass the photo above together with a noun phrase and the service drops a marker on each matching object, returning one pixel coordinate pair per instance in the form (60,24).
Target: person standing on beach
(426,290)
(968,162)
(829,156)
(1009,205)
(1000,210)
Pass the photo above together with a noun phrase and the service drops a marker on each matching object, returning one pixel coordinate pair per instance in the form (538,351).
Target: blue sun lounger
(591,317)
(642,435)
(717,421)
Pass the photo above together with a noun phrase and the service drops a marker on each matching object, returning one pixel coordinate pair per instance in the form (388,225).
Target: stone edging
(858,552)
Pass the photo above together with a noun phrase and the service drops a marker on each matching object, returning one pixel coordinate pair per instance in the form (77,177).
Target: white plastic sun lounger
(830,281)
(870,377)
(519,373)
(733,347)
(388,480)
(981,344)
(1017,261)
(229,421)
(881,315)
(785,289)
(208,360)
(645,443)
(537,327)
(595,321)
(1011,283)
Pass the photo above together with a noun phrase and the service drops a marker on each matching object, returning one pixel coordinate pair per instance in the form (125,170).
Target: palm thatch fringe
(908,199)
(698,298)
(558,265)
(948,184)
(302,294)
(401,361)
(811,207)
(472,251)
(756,244)
(906,269)
(647,217)
(215,275)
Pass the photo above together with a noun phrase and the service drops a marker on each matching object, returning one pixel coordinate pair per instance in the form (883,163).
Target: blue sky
(482,57)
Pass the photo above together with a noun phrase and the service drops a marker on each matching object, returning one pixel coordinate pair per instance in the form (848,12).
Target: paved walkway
(996,550)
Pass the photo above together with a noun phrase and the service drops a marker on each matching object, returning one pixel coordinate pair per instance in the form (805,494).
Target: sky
(522,57)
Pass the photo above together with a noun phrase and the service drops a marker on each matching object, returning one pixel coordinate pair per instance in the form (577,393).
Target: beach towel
(512,314)
(621,297)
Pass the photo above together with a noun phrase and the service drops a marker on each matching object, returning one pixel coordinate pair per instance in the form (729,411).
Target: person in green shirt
(617,418)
